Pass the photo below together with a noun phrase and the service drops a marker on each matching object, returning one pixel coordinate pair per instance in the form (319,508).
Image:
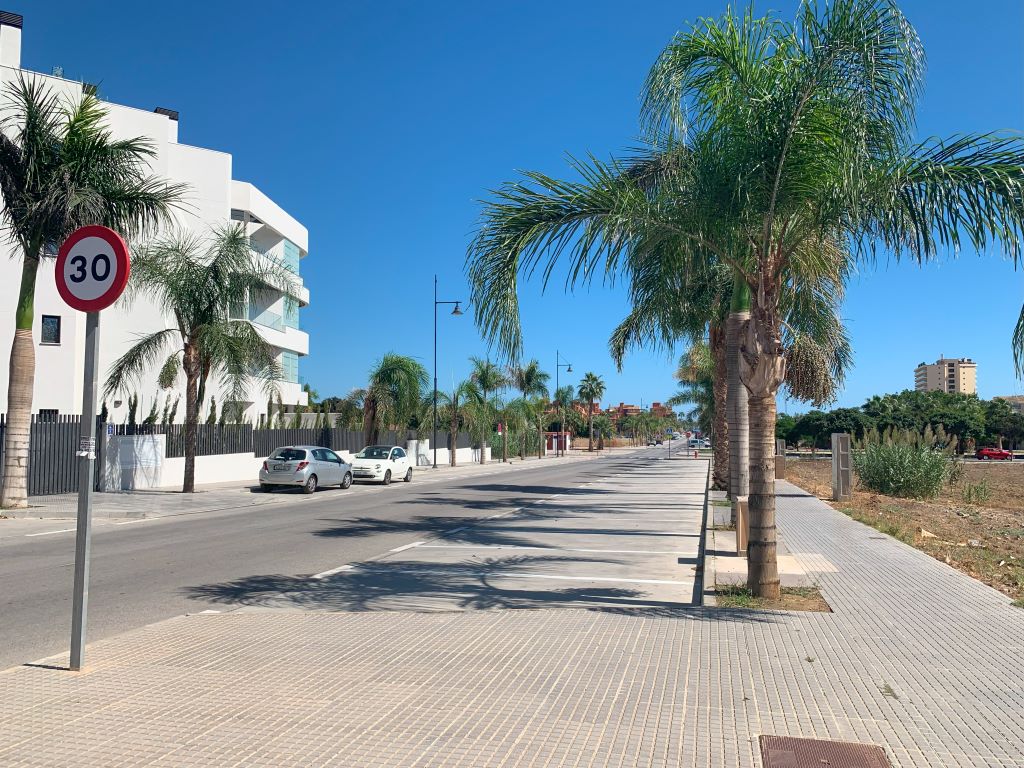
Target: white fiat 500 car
(382,463)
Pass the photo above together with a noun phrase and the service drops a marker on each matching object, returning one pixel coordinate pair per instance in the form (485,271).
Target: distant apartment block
(1016,402)
(947,375)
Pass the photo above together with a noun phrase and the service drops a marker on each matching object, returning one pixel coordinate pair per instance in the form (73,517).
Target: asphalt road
(144,573)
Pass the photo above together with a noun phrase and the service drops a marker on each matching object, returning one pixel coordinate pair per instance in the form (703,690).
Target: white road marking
(594,578)
(140,520)
(407,546)
(339,569)
(47,533)
(556,549)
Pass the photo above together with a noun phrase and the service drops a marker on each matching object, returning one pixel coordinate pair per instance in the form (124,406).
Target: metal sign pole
(86,468)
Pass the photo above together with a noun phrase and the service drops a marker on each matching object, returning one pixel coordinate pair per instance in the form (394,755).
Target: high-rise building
(213,198)
(947,375)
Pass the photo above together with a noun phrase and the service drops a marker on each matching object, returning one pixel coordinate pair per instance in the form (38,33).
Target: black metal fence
(211,439)
(52,463)
(53,442)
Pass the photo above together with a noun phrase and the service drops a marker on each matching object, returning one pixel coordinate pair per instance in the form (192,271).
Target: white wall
(137,462)
(58,381)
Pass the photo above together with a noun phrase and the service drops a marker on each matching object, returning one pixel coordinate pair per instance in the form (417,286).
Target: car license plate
(280,467)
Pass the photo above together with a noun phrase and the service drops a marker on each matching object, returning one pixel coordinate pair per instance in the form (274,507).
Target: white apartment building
(214,198)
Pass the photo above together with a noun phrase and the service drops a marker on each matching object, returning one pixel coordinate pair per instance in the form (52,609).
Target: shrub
(977,493)
(899,469)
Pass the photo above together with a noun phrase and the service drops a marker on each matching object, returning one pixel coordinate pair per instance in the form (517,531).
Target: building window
(290,367)
(51,329)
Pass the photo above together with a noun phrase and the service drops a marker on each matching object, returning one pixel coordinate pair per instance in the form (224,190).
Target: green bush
(898,469)
(977,493)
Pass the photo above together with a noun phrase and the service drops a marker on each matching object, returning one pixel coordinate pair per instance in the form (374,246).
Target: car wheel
(346,481)
(985,457)
(408,476)
(387,477)
(310,486)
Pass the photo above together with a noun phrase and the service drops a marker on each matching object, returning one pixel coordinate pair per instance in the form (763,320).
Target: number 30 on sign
(92,268)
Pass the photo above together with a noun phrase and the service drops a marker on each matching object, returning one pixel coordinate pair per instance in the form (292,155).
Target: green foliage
(297,416)
(212,418)
(104,413)
(977,493)
(173,413)
(133,407)
(901,469)
(152,417)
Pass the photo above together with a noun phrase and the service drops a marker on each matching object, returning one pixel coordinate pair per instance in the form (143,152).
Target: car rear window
(289,454)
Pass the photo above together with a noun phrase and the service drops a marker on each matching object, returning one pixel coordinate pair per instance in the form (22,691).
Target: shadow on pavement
(413,586)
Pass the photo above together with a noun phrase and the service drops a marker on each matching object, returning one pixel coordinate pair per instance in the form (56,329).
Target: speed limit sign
(92,271)
(92,268)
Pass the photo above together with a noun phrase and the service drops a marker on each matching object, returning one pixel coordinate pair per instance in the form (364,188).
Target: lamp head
(569,369)
(457,311)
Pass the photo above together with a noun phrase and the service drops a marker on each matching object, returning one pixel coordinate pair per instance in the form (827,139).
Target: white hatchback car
(382,463)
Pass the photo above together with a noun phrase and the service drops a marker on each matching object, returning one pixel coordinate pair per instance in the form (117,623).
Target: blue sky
(380,126)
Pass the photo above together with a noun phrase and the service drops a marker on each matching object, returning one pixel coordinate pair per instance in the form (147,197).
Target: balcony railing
(266,318)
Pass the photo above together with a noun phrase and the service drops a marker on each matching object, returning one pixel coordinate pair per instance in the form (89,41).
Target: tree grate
(788,752)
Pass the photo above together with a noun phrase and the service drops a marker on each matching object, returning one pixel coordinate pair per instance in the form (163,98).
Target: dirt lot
(983,537)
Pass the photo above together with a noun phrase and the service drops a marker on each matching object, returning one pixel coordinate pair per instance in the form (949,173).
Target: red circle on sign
(122,268)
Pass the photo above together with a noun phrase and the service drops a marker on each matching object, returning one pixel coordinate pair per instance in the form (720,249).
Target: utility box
(780,459)
(842,467)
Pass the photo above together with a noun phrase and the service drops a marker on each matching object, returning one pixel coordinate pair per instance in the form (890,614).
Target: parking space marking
(560,549)
(407,546)
(47,533)
(596,578)
(325,574)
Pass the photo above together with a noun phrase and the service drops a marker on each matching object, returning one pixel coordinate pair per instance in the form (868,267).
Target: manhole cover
(787,752)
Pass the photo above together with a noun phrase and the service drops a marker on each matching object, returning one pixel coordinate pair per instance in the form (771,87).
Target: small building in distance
(1016,402)
(947,375)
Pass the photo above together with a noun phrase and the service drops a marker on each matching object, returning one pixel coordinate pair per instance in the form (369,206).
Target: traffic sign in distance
(92,268)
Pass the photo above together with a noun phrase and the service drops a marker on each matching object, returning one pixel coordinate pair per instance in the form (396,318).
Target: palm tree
(691,302)
(392,395)
(60,169)
(489,378)
(810,144)
(197,280)
(532,382)
(529,379)
(602,426)
(591,388)
(456,409)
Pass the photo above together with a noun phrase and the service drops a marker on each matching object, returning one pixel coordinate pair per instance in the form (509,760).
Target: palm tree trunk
(762,567)
(720,386)
(20,385)
(191,419)
(540,439)
(738,415)
(483,430)
(590,418)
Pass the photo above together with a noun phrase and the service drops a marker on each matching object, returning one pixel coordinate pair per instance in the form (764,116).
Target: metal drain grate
(787,752)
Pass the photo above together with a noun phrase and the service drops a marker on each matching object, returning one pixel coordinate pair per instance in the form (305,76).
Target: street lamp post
(455,312)
(561,407)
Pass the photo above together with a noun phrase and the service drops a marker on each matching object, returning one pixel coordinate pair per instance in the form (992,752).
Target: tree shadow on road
(416,586)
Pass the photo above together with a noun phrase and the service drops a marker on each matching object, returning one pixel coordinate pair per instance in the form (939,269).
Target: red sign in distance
(92,268)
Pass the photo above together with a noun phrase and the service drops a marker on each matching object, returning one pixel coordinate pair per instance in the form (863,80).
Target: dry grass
(984,539)
(793,599)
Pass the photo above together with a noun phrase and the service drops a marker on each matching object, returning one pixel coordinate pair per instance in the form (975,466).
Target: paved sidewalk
(916,657)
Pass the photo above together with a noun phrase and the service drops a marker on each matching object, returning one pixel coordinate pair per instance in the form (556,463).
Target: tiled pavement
(916,657)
